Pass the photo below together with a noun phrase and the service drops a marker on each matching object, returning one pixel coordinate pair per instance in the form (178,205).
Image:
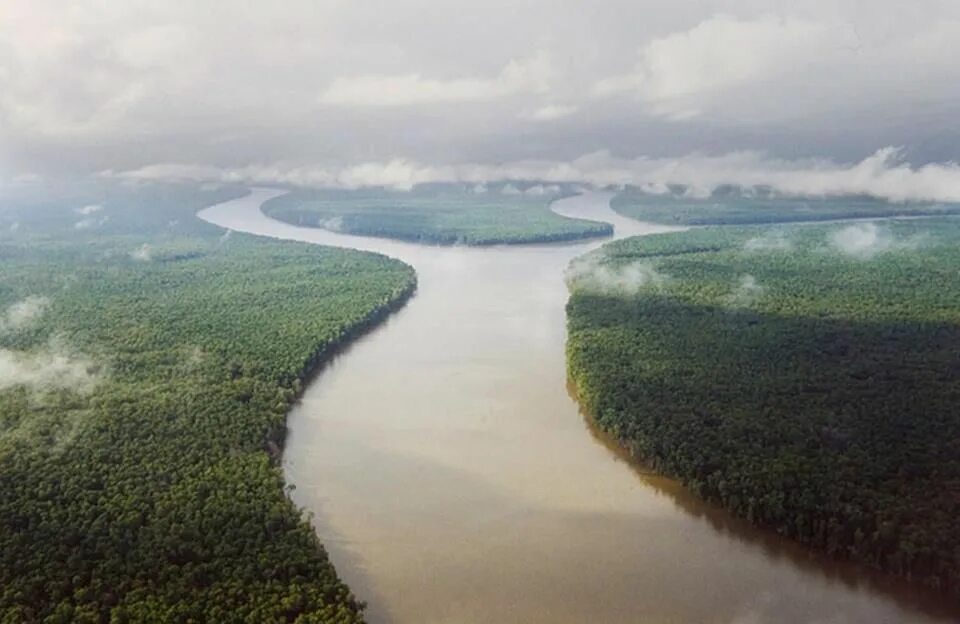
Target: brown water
(453,479)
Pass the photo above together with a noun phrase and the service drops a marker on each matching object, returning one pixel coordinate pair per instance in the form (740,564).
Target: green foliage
(806,388)
(730,206)
(156,495)
(437,214)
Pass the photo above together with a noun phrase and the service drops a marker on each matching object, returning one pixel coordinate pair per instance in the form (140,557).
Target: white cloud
(590,274)
(551,112)
(531,75)
(883,174)
(864,241)
(144,253)
(122,85)
(50,369)
(90,223)
(23,314)
(88,209)
(746,291)
(538,190)
(720,52)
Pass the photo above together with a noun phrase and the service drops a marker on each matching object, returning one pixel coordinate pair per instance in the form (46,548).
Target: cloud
(538,190)
(551,112)
(122,86)
(590,274)
(746,291)
(52,368)
(90,223)
(884,174)
(530,75)
(88,209)
(864,241)
(23,314)
(144,253)
(720,52)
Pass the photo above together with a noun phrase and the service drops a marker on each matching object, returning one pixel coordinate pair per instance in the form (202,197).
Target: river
(453,480)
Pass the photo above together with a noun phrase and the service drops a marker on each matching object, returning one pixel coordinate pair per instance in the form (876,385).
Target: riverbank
(790,380)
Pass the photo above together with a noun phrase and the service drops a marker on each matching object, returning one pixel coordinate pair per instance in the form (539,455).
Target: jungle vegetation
(443,214)
(728,205)
(148,361)
(806,377)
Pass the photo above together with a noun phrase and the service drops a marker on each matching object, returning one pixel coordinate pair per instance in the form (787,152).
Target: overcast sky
(350,92)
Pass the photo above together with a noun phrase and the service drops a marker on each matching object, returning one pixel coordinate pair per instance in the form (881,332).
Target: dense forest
(806,377)
(443,214)
(147,361)
(677,205)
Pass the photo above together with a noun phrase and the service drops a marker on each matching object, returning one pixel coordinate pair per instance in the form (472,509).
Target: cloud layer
(124,86)
(883,174)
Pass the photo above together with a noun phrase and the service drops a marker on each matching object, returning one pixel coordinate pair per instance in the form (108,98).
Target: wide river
(453,480)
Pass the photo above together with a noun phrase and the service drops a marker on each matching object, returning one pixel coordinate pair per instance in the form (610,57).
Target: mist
(143,253)
(590,274)
(51,368)
(884,174)
(865,241)
(746,292)
(23,314)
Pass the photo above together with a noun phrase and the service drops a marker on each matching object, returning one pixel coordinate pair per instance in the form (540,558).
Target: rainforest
(441,214)
(737,205)
(804,377)
(148,361)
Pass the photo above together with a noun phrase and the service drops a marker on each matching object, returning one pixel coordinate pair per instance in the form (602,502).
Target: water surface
(453,480)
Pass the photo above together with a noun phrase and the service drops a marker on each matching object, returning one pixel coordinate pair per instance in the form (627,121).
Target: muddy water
(453,479)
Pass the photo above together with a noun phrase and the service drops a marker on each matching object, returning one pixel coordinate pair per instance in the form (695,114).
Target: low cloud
(88,209)
(867,240)
(674,73)
(23,314)
(590,274)
(143,253)
(884,174)
(530,75)
(538,190)
(746,292)
(52,368)
(551,112)
(90,223)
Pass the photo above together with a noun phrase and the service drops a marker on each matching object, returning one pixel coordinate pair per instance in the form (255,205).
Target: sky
(808,96)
